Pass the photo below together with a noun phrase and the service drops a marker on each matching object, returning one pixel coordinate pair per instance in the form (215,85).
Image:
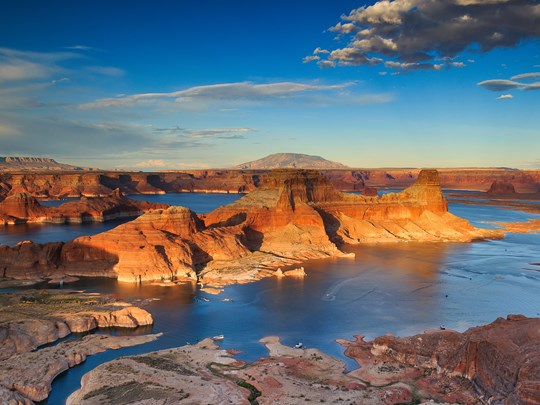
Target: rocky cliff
(69,184)
(294,216)
(501,360)
(499,187)
(30,163)
(24,208)
(33,319)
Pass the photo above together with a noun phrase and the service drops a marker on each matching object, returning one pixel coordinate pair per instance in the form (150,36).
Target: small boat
(218,338)
(299,345)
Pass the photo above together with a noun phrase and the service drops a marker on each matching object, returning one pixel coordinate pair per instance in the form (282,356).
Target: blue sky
(195,84)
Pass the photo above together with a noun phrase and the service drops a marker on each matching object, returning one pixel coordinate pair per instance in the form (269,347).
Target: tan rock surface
(35,318)
(501,360)
(294,216)
(23,208)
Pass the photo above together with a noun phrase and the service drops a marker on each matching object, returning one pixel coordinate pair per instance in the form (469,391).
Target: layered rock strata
(23,208)
(294,216)
(32,319)
(99,183)
(496,363)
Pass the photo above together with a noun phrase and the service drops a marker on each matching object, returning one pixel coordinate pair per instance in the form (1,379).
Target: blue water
(483,216)
(42,233)
(201,203)
(393,288)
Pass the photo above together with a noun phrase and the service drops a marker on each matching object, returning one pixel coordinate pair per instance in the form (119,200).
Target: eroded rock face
(31,319)
(497,363)
(75,184)
(501,359)
(294,216)
(23,208)
(501,187)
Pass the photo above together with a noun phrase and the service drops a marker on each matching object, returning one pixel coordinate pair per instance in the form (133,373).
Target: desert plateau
(270,203)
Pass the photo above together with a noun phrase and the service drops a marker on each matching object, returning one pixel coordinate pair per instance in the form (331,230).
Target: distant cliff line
(61,184)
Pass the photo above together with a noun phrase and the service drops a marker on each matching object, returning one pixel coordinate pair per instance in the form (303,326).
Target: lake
(42,233)
(395,288)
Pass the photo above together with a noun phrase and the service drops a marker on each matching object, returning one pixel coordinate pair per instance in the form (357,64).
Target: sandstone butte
(61,184)
(497,363)
(296,215)
(31,319)
(24,208)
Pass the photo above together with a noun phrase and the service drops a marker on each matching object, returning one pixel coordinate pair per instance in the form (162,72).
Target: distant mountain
(26,163)
(291,160)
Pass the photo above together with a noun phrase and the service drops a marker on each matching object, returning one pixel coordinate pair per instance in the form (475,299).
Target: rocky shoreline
(32,320)
(295,216)
(495,363)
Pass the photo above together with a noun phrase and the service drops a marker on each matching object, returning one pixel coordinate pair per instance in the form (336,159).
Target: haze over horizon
(174,85)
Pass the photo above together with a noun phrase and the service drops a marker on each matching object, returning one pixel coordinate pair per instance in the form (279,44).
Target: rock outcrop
(24,208)
(31,163)
(59,184)
(501,359)
(33,319)
(294,216)
(501,187)
(496,363)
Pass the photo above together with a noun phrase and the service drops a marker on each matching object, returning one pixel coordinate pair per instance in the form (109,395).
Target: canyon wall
(295,215)
(94,183)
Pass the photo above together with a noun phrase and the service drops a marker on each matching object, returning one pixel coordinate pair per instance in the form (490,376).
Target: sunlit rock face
(294,216)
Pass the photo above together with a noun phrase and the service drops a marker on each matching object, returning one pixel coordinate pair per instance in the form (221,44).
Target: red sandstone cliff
(94,183)
(295,215)
(23,208)
(502,359)
(501,187)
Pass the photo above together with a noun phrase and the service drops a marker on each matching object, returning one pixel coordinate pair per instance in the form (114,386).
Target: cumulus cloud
(419,34)
(505,97)
(240,92)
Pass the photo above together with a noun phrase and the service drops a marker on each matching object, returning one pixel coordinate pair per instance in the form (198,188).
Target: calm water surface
(400,288)
(42,233)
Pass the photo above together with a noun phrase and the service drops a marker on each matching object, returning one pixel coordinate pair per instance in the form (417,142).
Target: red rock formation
(502,359)
(501,187)
(23,208)
(369,192)
(19,207)
(93,183)
(294,216)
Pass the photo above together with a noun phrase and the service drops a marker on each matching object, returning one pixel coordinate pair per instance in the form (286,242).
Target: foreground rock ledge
(496,363)
(294,216)
(31,319)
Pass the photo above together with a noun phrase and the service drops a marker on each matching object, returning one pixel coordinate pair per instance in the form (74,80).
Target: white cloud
(310,58)
(505,97)
(526,76)
(415,34)
(241,91)
(503,84)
